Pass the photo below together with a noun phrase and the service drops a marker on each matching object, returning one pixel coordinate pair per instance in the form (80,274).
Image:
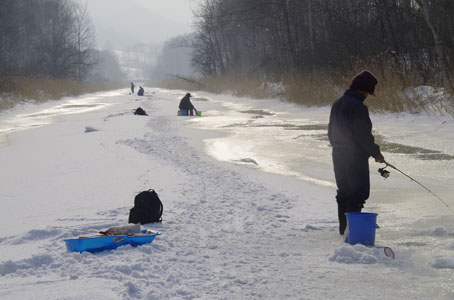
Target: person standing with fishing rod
(350,135)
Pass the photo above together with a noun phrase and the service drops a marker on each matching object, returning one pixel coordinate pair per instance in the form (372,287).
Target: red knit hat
(364,81)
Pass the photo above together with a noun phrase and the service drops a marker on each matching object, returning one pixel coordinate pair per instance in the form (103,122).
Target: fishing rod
(385,173)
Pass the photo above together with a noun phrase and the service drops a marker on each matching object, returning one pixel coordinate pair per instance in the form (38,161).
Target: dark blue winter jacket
(185,103)
(350,127)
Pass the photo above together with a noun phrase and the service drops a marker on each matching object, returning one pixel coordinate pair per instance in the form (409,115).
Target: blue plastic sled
(101,243)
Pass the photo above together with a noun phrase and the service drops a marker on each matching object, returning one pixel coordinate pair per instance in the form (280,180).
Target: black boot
(341,210)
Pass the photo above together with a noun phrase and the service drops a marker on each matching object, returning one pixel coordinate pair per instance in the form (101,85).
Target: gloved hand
(379,158)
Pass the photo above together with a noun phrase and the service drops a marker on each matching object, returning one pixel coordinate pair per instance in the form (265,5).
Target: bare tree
(83,37)
(277,37)
(425,6)
(45,38)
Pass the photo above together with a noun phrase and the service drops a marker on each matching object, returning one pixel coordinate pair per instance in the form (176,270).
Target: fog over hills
(120,24)
(135,30)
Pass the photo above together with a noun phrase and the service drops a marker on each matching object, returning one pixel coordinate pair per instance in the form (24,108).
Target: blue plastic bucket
(183,112)
(361,228)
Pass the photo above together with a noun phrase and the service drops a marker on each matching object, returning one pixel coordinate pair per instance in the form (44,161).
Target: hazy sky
(178,10)
(119,23)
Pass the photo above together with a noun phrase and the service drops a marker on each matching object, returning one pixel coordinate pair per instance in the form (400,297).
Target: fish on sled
(109,240)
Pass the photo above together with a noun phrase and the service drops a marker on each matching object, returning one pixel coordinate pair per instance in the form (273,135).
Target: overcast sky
(178,10)
(119,23)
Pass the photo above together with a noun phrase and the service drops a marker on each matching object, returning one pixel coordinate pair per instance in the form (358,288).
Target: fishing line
(384,173)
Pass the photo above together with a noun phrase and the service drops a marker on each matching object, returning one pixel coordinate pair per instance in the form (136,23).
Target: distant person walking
(350,135)
(132,88)
(185,104)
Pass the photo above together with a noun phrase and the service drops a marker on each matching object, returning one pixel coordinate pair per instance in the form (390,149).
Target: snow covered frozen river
(248,193)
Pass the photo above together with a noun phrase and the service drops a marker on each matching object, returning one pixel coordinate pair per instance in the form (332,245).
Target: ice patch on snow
(443,263)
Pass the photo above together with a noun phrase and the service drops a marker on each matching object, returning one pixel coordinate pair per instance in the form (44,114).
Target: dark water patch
(321,137)
(293,126)
(38,115)
(81,105)
(236,125)
(284,126)
(199,99)
(412,244)
(416,152)
(247,161)
(385,146)
(257,112)
(117,114)
(308,127)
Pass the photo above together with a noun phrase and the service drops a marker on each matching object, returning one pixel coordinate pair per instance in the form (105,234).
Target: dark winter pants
(352,178)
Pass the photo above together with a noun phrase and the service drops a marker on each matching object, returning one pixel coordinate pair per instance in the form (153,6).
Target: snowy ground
(248,193)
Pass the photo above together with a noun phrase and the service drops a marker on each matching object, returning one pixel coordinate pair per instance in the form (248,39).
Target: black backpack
(139,111)
(147,208)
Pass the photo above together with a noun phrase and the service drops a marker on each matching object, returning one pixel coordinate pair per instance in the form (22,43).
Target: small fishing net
(389,252)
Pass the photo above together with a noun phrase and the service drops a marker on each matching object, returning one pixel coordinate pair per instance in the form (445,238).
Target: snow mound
(435,99)
(34,262)
(357,254)
(443,263)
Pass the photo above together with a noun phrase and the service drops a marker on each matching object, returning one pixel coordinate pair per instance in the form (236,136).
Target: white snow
(248,195)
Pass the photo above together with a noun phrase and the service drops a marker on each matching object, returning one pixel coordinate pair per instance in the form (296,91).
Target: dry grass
(236,85)
(323,88)
(18,89)
(312,90)
(177,84)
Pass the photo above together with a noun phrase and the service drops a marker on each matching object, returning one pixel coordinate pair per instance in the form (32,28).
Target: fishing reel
(384,173)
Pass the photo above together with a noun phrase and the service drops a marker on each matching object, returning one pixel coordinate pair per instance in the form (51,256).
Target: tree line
(48,38)
(414,38)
